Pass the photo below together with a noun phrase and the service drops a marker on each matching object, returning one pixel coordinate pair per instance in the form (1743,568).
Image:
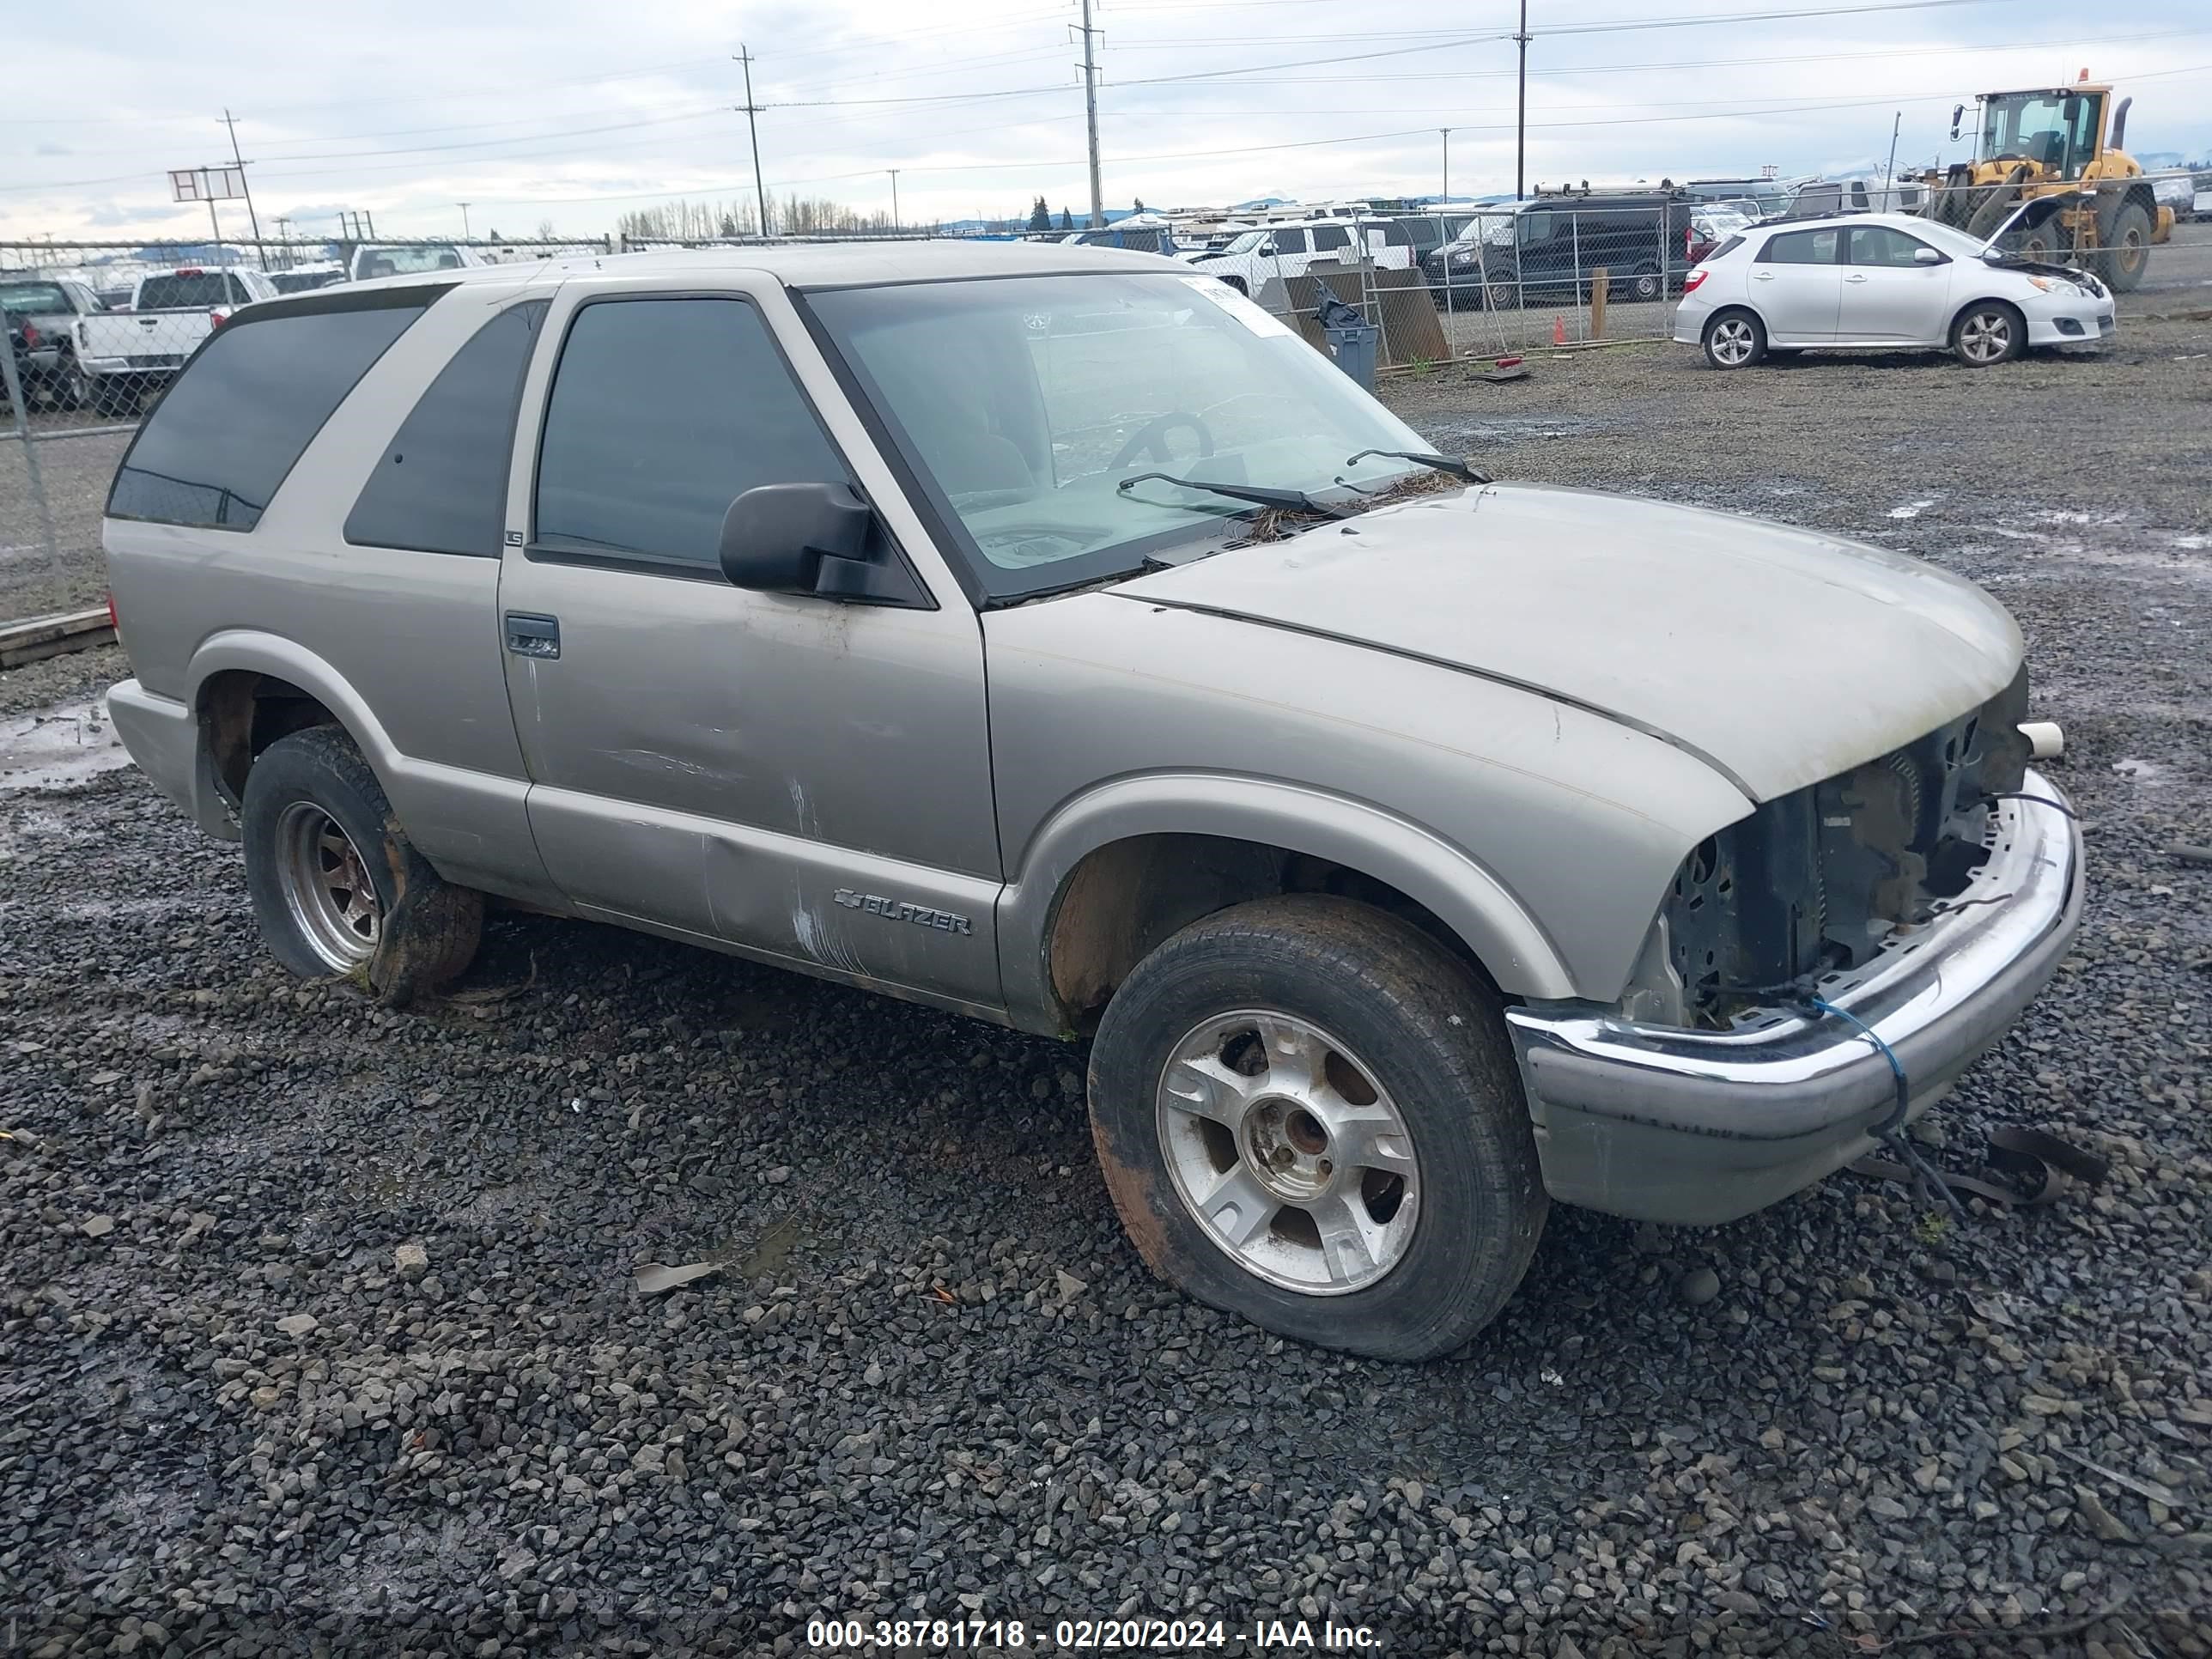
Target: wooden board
(49,637)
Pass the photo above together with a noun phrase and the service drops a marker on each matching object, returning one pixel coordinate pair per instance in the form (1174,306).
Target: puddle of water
(58,747)
(2140,771)
(2193,543)
(1911,509)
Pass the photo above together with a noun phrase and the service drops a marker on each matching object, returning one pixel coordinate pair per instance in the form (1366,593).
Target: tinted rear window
(199,291)
(33,296)
(231,425)
(440,486)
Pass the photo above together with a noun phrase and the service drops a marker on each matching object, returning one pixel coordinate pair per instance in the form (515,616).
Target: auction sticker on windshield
(1258,321)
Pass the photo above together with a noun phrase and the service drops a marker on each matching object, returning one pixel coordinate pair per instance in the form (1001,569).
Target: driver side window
(1290,241)
(662,413)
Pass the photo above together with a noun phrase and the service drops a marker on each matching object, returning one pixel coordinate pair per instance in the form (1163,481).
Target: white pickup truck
(124,354)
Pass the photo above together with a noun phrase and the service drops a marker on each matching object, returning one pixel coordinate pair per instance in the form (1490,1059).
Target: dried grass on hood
(1275,524)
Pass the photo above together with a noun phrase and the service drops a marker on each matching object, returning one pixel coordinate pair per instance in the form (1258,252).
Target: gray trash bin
(1353,345)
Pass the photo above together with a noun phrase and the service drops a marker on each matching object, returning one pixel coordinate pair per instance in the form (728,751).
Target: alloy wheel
(1288,1152)
(1733,341)
(1985,336)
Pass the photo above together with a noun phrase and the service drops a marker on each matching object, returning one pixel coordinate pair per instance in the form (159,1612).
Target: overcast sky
(564,110)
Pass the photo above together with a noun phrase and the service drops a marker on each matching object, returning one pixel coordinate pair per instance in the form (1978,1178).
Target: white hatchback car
(1886,279)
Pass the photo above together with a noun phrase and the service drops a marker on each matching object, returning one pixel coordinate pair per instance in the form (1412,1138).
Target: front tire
(337,887)
(1987,333)
(1644,284)
(1308,1113)
(2127,248)
(1734,339)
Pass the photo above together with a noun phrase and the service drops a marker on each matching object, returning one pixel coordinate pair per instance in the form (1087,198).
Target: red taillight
(113,621)
(188,270)
(216,319)
(1694,279)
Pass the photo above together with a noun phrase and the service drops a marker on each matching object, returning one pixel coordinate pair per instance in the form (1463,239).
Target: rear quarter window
(440,485)
(247,405)
(194,291)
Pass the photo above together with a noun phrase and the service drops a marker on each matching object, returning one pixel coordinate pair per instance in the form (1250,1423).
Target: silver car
(1049,635)
(1888,280)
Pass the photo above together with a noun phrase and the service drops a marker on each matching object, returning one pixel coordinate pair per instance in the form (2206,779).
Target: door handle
(529,635)
(1855,276)
(1762,275)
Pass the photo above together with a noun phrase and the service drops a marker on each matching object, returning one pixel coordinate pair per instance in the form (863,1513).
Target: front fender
(1461,894)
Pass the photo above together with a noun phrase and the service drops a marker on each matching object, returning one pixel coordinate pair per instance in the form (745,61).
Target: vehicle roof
(821,265)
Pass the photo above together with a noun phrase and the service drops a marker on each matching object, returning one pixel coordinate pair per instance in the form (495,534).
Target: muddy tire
(337,887)
(2125,239)
(1308,1114)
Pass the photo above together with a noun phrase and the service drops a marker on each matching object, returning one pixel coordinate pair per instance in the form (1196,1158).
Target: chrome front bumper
(1664,1123)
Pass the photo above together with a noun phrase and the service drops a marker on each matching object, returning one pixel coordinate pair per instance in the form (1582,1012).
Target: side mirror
(1926,256)
(777,537)
(1958,116)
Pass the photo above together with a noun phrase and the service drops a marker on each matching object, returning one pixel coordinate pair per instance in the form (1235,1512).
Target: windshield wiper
(1441,463)
(1296,500)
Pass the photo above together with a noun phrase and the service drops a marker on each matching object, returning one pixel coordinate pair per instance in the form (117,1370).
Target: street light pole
(466,236)
(1445,196)
(252,218)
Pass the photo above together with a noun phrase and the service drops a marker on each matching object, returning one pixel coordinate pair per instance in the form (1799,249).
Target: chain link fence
(97,330)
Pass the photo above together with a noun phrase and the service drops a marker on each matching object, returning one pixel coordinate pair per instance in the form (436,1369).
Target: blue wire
(1889,1131)
(1896,1065)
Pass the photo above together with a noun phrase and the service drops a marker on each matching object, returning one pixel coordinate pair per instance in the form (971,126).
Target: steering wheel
(1152,436)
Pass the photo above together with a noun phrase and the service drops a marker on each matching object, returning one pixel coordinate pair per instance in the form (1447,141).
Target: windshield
(2055,130)
(1024,401)
(407,261)
(1244,241)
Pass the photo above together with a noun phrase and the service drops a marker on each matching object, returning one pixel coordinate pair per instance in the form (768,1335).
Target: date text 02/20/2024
(1088,1635)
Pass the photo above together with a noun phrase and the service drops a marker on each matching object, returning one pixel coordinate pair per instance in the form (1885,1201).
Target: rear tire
(1644,284)
(1987,333)
(337,887)
(1308,1113)
(1734,339)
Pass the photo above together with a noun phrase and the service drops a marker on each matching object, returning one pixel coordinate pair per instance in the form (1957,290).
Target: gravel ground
(319,1330)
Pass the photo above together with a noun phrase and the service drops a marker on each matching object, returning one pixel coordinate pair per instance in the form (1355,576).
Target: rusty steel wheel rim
(326,887)
(1287,1152)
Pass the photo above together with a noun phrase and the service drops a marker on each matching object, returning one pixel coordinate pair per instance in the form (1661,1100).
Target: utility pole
(1090,115)
(251,217)
(1521,111)
(1889,175)
(752,109)
(464,207)
(1445,196)
(895,212)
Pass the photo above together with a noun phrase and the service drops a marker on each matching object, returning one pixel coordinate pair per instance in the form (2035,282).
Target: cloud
(537,112)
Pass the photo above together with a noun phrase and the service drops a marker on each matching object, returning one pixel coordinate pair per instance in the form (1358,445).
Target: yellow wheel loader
(2051,142)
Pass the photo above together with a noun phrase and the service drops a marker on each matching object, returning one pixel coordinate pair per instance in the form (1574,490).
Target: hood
(1778,656)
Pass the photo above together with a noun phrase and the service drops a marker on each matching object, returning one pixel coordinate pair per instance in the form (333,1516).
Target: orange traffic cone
(1558,331)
